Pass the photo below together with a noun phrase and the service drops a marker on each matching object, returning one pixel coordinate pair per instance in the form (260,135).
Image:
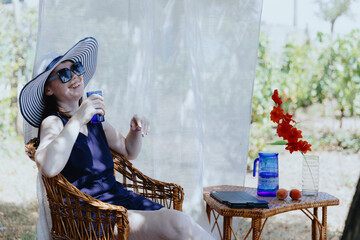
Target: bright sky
(281,13)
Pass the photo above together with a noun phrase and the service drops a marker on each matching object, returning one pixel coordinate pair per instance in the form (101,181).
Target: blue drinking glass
(97,118)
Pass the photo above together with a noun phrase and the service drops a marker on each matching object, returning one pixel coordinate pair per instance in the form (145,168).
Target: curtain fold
(188,66)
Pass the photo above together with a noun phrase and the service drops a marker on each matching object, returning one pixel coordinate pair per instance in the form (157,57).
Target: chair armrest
(78,215)
(170,195)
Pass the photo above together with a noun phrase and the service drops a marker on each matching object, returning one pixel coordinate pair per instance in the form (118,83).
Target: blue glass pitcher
(268,173)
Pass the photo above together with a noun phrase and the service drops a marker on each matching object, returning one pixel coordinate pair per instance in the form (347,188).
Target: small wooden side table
(275,207)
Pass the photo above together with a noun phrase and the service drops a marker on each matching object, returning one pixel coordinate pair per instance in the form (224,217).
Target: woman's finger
(95,96)
(100,111)
(134,125)
(146,125)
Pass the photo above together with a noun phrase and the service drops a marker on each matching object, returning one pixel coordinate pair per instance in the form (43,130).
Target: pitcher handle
(254,171)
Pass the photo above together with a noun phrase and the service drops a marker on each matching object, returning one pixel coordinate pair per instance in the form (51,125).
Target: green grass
(18,222)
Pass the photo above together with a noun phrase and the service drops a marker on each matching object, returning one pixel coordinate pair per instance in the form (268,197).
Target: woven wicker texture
(275,206)
(76,215)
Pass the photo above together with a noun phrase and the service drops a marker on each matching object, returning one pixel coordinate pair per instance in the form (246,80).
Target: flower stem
(312,177)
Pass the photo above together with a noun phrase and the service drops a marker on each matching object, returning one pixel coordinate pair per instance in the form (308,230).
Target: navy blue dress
(91,169)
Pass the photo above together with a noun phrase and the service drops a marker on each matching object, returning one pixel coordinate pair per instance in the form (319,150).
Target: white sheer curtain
(188,66)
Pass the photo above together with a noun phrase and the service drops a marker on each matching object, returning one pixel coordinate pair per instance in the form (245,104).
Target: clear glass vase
(310,175)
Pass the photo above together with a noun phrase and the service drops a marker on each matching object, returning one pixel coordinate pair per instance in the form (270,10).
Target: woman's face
(70,91)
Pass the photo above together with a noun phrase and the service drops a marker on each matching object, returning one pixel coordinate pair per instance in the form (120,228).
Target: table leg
(227,227)
(256,226)
(324,224)
(314,227)
(208,210)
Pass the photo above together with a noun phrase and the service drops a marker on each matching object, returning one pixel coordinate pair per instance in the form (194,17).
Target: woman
(80,150)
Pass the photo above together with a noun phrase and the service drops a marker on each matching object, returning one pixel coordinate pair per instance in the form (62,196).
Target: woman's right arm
(56,143)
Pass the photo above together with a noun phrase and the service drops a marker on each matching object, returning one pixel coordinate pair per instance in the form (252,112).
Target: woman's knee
(180,226)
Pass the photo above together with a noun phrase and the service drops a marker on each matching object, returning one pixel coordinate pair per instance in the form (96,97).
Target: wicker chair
(76,215)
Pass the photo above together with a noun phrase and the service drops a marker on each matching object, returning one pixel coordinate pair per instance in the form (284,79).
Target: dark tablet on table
(238,199)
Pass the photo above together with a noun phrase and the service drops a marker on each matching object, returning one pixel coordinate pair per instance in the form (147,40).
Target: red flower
(288,117)
(285,130)
(292,147)
(293,135)
(304,146)
(275,97)
(277,114)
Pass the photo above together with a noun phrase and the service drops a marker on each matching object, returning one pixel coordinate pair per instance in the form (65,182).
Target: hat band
(53,62)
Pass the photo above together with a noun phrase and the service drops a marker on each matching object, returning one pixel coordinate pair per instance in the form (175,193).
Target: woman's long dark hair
(52,107)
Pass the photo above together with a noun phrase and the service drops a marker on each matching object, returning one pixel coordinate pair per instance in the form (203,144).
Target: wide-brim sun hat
(31,99)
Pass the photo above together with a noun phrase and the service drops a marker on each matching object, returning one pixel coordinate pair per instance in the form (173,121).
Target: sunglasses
(65,73)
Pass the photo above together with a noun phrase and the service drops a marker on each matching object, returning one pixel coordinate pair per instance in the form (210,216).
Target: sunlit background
(309,50)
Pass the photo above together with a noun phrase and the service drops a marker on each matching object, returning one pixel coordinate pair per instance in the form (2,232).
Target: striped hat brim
(31,99)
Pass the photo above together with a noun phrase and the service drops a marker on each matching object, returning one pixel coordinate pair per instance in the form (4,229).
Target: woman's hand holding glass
(92,105)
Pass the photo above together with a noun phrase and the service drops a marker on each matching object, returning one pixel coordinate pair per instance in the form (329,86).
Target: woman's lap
(138,202)
(164,224)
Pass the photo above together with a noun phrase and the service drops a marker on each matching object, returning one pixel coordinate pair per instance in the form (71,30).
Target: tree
(17,49)
(331,10)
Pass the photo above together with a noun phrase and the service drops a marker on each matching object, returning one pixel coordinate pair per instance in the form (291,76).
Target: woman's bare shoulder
(50,127)
(52,122)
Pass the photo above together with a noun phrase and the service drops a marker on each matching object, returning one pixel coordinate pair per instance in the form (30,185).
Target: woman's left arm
(131,145)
